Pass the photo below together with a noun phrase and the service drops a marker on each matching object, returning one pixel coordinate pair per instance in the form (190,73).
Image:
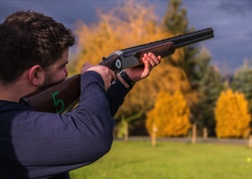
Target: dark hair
(28,38)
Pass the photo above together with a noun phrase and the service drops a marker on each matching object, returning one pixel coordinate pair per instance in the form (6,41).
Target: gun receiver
(63,96)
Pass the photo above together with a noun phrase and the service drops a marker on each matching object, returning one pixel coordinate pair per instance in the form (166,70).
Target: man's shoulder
(9,105)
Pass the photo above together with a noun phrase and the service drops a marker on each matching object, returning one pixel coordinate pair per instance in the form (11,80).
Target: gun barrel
(194,37)
(178,41)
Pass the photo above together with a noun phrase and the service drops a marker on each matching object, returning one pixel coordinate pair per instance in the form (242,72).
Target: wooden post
(250,135)
(154,136)
(205,134)
(194,133)
(126,130)
(250,140)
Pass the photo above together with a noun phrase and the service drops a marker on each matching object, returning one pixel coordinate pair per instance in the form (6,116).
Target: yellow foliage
(123,27)
(126,26)
(232,115)
(170,116)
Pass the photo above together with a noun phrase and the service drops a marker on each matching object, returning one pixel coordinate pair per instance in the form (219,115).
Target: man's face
(57,72)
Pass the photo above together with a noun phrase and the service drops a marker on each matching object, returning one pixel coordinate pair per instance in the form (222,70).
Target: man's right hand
(107,75)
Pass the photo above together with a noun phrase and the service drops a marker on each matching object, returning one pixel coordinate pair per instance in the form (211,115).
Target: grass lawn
(170,160)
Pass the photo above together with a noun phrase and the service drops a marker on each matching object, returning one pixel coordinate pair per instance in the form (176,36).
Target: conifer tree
(209,89)
(242,82)
(175,21)
(205,80)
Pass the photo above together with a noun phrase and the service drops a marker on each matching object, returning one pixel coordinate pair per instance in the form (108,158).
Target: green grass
(170,160)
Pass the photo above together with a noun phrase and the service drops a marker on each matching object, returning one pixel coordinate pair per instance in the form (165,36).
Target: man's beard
(48,80)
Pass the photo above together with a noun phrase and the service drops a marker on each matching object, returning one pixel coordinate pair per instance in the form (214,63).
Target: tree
(232,115)
(106,36)
(170,115)
(209,88)
(175,20)
(242,82)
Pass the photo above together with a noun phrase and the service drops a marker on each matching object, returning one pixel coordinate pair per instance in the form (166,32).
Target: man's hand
(107,75)
(135,73)
(140,72)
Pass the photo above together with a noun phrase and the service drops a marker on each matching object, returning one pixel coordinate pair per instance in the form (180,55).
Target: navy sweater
(48,145)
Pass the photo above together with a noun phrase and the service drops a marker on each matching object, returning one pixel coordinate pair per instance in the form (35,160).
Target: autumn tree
(124,26)
(232,115)
(170,115)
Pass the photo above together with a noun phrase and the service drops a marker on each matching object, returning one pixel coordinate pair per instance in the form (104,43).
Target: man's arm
(118,61)
(47,143)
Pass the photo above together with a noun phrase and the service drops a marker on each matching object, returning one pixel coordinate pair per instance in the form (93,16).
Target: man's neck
(13,92)
(9,94)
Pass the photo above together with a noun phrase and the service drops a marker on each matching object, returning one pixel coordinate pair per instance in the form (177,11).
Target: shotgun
(64,96)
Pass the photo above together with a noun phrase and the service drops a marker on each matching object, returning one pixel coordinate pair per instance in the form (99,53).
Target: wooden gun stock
(63,96)
(57,98)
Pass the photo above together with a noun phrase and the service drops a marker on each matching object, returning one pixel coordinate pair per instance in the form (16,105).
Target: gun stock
(63,96)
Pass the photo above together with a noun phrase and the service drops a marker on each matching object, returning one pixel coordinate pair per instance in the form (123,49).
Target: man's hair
(28,38)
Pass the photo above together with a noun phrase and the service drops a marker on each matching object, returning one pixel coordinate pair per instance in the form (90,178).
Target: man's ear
(36,75)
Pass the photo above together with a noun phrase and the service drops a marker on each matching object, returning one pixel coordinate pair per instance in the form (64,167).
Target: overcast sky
(230,19)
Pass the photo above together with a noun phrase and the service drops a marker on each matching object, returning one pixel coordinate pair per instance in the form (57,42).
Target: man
(34,54)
